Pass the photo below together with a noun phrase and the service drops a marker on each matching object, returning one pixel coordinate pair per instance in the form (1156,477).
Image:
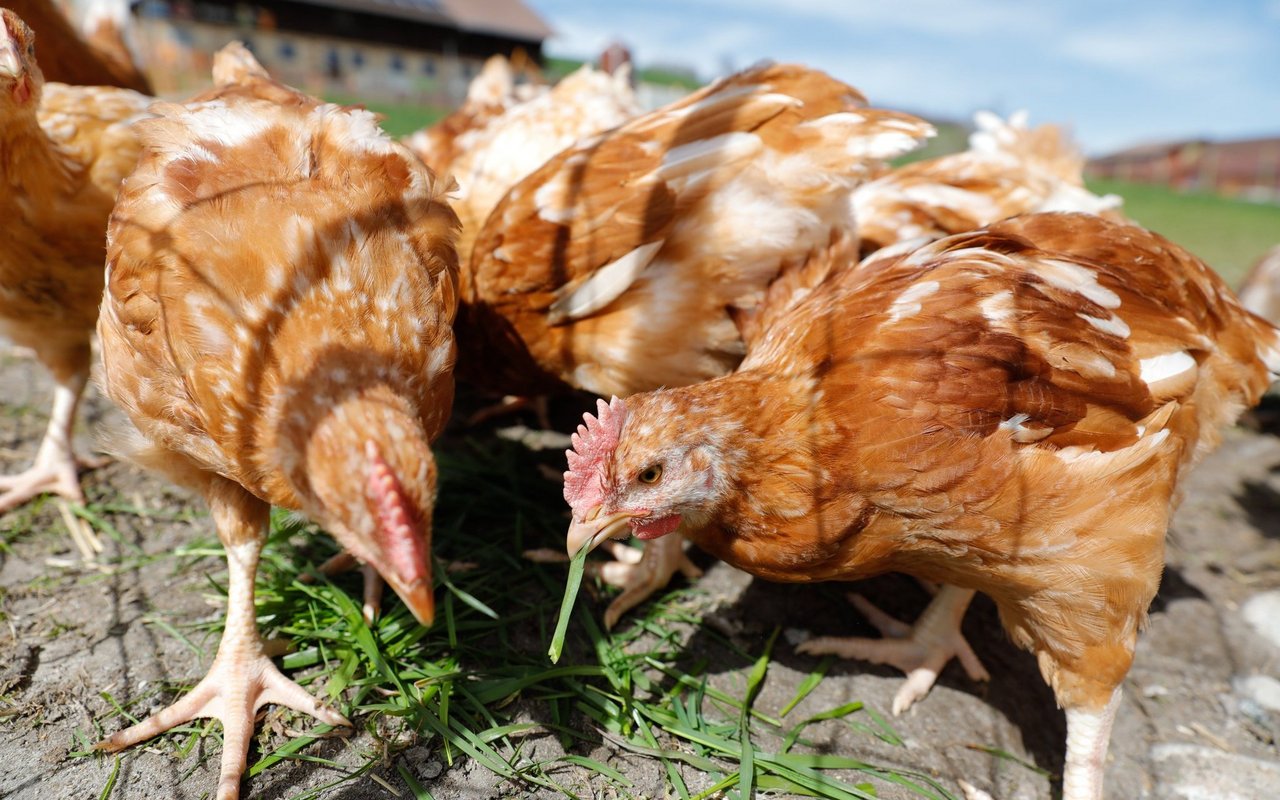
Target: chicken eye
(652,474)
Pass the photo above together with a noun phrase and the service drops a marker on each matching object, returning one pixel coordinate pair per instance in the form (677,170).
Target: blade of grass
(755,679)
(810,683)
(833,713)
(576,568)
(419,791)
(111,779)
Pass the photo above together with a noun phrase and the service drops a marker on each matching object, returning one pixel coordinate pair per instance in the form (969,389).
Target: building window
(357,58)
(429,67)
(333,64)
(286,51)
(396,62)
(468,70)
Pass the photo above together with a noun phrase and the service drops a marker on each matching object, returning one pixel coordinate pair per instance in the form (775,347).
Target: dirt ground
(1200,718)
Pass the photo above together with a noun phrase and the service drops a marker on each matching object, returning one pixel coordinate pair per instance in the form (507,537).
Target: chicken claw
(56,468)
(49,475)
(921,650)
(241,680)
(236,686)
(639,573)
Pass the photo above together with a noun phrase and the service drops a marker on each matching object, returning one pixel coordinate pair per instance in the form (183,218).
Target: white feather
(604,286)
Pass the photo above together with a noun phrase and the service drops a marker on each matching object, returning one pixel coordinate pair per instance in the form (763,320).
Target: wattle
(654,528)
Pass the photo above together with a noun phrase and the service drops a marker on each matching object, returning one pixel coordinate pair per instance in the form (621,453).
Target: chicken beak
(418,596)
(593,530)
(10,62)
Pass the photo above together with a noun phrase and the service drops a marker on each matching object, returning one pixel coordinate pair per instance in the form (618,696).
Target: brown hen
(489,95)
(1008,411)
(99,59)
(63,152)
(278,327)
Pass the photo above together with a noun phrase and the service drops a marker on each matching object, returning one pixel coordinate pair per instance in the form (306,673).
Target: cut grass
(1228,234)
(478,683)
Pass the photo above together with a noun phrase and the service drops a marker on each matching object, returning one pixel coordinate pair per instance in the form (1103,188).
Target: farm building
(421,51)
(1248,168)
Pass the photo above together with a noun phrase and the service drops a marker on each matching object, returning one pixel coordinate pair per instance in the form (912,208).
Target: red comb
(584,482)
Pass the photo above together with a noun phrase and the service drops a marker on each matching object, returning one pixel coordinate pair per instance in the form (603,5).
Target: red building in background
(1247,168)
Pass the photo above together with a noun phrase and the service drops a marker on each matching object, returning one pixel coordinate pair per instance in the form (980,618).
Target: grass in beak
(577,566)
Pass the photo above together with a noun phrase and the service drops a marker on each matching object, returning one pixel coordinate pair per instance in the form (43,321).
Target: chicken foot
(920,650)
(242,678)
(638,573)
(56,467)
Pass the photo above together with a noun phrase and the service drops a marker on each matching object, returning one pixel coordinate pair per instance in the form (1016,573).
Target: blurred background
(1176,103)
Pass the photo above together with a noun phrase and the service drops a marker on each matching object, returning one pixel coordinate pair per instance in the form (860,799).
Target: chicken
(1008,410)
(633,259)
(1008,170)
(278,327)
(490,94)
(66,149)
(108,28)
(102,59)
(517,142)
(1260,290)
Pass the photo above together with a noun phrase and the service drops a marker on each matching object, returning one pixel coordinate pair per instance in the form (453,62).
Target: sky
(1116,73)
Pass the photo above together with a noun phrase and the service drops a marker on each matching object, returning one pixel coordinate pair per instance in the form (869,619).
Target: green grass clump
(1228,234)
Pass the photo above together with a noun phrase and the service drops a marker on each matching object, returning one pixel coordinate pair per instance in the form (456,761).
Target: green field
(1229,234)
(400,119)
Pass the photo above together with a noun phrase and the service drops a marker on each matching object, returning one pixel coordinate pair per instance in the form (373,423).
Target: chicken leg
(1088,734)
(242,678)
(921,650)
(56,467)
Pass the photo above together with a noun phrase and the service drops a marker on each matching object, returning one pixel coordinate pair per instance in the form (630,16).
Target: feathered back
(1097,333)
(521,139)
(618,265)
(1009,169)
(1046,148)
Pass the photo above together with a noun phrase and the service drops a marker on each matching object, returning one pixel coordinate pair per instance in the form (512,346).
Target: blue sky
(1116,72)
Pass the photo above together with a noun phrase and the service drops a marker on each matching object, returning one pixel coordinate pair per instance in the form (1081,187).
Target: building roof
(508,18)
(500,17)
